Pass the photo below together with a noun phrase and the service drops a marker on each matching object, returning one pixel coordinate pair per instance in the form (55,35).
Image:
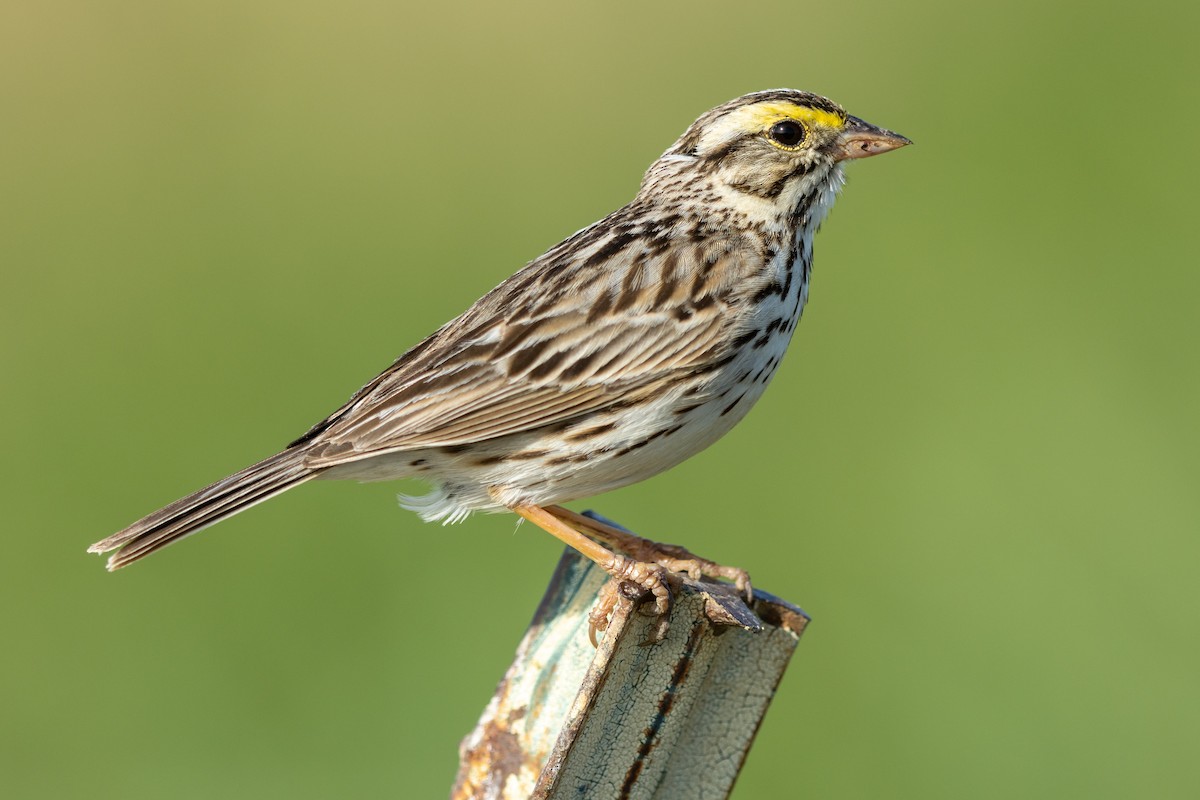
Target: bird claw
(634,582)
(679,559)
(602,613)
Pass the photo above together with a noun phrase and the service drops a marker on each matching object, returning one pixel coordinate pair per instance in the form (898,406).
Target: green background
(977,470)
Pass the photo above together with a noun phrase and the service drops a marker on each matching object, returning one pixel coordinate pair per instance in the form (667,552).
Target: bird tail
(208,506)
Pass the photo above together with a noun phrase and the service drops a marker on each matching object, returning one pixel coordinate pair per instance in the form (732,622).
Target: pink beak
(860,139)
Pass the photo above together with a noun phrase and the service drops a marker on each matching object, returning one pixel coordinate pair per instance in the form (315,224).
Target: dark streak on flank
(527,455)
(730,407)
(570,458)
(714,365)
(737,343)
(768,333)
(769,289)
(588,433)
(638,445)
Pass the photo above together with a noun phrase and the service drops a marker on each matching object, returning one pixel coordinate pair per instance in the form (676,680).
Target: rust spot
(650,736)
(486,768)
(782,615)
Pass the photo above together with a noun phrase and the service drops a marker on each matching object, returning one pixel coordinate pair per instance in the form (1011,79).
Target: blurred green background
(977,470)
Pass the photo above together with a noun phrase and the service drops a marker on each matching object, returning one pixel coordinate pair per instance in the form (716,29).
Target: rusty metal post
(671,721)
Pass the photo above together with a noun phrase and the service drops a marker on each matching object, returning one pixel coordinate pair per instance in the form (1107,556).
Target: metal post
(668,721)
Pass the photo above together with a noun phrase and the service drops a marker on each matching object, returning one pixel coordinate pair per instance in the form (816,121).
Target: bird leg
(647,578)
(671,557)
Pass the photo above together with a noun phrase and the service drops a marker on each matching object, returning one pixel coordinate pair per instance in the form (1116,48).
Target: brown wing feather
(548,345)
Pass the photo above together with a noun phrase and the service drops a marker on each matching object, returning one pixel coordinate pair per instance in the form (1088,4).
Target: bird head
(769,150)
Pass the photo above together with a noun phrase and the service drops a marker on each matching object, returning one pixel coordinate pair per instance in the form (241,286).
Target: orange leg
(649,577)
(668,556)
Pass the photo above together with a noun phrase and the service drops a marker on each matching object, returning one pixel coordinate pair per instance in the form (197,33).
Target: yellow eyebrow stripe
(763,115)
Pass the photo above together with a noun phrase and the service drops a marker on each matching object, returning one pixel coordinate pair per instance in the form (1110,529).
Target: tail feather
(208,506)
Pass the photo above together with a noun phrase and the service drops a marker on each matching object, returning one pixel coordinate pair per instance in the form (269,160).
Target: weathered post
(669,721)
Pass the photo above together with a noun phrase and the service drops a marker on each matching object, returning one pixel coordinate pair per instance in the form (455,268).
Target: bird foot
(647,571)
(671,557)
(634,582)
(675,558)
(650,575)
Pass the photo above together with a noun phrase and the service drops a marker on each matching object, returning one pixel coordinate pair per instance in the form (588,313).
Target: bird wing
(596,322)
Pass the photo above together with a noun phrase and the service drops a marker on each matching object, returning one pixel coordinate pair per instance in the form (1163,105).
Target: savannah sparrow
(620,352)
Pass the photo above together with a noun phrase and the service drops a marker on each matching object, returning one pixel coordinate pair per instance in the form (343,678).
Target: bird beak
(860,139)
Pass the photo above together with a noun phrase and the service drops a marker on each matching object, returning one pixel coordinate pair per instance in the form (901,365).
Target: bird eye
(787,133)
